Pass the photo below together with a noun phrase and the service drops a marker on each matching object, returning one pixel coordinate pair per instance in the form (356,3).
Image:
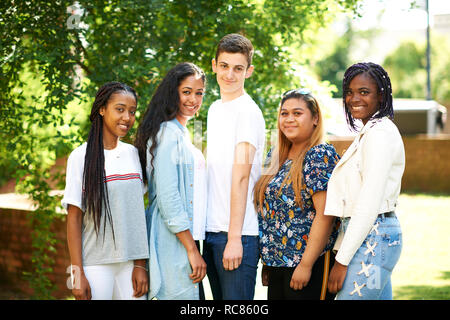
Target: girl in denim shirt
(176,266)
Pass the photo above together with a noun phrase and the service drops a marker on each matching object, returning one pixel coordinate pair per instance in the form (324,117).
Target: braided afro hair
(381,78)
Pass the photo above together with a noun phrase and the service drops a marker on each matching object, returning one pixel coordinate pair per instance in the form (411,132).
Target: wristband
(137,266)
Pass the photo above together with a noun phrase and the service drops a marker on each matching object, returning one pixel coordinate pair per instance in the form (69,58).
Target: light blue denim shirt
(170,192)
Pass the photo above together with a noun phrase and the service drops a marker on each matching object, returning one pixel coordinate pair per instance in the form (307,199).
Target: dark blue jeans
(238,284)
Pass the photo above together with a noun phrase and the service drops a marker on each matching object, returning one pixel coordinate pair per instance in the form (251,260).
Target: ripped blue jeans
(369,272)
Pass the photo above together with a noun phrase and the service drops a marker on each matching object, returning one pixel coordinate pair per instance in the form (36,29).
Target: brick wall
(427,166)
(15,255)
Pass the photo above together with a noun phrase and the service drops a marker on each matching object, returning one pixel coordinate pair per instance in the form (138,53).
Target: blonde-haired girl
(295,237)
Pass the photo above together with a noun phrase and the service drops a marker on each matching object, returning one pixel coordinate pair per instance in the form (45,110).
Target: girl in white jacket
(364,188)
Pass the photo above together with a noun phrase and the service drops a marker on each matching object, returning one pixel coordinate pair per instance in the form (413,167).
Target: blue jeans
(369,272)
(238,284)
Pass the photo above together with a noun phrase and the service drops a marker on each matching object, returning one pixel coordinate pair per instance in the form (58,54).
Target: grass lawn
(423,271)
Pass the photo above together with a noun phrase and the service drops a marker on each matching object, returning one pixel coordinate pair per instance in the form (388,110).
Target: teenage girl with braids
(364,188)
(175,171)
(106,231)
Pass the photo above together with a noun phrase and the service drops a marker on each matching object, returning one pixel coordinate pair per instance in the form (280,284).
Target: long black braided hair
(95,191)
(380,76)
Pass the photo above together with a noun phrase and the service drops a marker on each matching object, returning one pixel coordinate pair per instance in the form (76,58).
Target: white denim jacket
(366,182)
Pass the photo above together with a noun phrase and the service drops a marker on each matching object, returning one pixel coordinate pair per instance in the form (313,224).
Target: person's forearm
(238,206)
(74,225)
(196,261)
(187,240)
(240,176)
(318,237)
(357,230)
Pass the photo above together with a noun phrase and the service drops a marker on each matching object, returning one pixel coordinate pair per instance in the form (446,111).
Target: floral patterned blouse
(283,225)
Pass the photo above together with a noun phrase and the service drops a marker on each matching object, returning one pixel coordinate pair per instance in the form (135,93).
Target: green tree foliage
(407,69)
(345,49)
(54,57)
(406,66)
(332,67)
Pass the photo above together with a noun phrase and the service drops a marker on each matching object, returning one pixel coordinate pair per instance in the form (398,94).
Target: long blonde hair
(281,150)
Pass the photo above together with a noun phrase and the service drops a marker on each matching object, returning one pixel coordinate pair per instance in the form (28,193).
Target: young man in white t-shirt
(235,143)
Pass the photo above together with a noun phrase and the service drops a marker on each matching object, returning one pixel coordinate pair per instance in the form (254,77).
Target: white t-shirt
(200,190)
(230,123)
(125,192)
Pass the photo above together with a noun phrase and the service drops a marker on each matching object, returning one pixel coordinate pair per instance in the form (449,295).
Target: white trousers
(111,281)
